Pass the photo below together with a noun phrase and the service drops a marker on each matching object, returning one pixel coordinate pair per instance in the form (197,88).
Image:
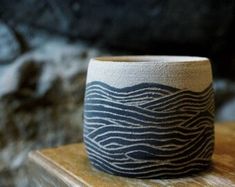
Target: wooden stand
(69,166)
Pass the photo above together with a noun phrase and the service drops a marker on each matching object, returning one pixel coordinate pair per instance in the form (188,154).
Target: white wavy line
(193,130)
(209,91)
(125,98)
(139,139)
(155,128)
(114,164)
(132,170)
(94,144)
(113,143)
(104,156)
(159,162)
(208,138)
(129,98)
(130,123)
(117,122)
(135,112)
(91,103)
(182,105)
(190,108)
(208,155)
(198,117)
(206,119)
(90,128)
(90,88)
(128,110)
(131,102)
(160,147)
(211,108)
(176,152)
(99,87)
(153,165)
(160,125)
(156,175)
(181,93)
(126,102)
(209,145)
(204,123)
(176,101)
(95,124)
(208,151)
(199,149)
(120,133)
(145,100)
(136,103)
(140,133)
(143,121)
(151,110)
(144,109)
(151,146)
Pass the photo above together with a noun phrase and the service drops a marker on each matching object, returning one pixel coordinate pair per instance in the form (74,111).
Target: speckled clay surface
(149,116)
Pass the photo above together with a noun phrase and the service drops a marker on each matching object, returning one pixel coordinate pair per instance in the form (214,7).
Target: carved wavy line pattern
(148,130)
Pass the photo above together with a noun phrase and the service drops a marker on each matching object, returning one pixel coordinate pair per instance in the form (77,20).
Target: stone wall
(41,98)
(202,27)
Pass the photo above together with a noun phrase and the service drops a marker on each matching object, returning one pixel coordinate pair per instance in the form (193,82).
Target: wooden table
(69,166)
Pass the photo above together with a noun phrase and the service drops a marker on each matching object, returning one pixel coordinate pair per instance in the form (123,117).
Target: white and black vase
(149,116)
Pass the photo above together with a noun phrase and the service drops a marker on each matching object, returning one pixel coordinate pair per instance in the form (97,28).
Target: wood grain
(69,166)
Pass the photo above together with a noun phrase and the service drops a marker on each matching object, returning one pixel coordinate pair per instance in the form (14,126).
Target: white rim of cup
(151,59)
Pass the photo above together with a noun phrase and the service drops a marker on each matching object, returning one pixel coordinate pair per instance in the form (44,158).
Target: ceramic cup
(149,116)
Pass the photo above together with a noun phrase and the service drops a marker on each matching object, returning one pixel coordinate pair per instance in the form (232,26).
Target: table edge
(38,159)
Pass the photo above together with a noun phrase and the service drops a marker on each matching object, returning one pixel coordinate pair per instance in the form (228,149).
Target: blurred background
(45,47)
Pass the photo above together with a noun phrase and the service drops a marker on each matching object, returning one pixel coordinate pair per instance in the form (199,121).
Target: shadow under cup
(149,116)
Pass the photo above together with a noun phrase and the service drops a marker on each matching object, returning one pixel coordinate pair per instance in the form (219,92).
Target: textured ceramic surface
(149,116)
